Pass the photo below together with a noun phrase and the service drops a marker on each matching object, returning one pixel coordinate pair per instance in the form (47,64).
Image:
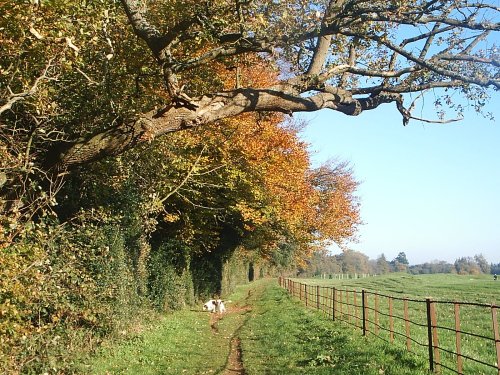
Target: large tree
(80,81)
(349,56)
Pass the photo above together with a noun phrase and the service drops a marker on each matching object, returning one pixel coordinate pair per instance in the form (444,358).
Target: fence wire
(458,337)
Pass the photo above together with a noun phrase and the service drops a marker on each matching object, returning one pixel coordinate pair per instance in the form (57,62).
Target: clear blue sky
(430,190)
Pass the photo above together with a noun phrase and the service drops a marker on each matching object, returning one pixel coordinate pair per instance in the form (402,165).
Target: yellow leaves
(171,218)
(251,216)
(261,20)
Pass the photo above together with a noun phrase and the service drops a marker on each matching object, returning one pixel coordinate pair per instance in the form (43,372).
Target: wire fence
(457,337)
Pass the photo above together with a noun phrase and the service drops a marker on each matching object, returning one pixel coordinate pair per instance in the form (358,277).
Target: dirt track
(234,363)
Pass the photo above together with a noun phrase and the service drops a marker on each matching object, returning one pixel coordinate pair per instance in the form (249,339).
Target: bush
(170,280)
(62,289)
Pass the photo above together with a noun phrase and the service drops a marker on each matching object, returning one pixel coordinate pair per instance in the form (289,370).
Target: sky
(429,190)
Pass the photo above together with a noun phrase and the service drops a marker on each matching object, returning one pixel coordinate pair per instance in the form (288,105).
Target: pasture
(449,319)
(464,288)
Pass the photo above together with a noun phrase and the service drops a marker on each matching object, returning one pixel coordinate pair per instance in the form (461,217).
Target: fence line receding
(458,337)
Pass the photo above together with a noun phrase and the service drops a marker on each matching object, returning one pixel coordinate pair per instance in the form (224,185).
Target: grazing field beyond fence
(456,337)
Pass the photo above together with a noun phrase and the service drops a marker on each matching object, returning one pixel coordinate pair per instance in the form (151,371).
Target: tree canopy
(84,81)
(349,56)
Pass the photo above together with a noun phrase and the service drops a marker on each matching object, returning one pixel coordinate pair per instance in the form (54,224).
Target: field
(464,288)
(275,334)
(397,311)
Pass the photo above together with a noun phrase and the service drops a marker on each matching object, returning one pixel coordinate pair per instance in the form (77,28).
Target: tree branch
(136,14)
(431,65)
(186,178)
(280,98)
(14,98)
(323,44)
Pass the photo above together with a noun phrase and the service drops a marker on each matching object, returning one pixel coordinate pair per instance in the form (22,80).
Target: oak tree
(80,81)
(348,56)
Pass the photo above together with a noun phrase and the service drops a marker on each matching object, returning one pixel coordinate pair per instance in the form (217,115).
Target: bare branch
(243,45)
(352,61)
(431,65)
(436,121)
(186,178)
(14,98)
(475,59)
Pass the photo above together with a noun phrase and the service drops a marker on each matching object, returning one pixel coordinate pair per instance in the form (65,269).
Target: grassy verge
(184,342)
(278,336)
(475,321)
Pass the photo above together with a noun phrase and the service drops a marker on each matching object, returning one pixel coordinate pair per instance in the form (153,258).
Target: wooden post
(317,297)
(496,335)
(391,321)
(376,314)
(354,302)
(347,305)
(435,342)
(429,334)
(407,325)
(305,292)
(458,339)
(300,291)
(334,294)
(364,303)
(341,304)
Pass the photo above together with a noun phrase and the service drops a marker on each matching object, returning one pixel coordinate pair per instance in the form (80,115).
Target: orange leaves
(249,70)
(254,173)
(250,215)
(279,198)
(338,208)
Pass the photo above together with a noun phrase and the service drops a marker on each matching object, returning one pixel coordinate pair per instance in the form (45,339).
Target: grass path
(263,332)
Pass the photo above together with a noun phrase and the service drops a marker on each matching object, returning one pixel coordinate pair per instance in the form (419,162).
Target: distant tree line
(355,262)
(352,262)
(463,266)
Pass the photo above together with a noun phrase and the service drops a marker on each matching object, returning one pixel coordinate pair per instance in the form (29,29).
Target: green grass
(182,343)
(473,319)
(281,337)
(278,336)
(480,288)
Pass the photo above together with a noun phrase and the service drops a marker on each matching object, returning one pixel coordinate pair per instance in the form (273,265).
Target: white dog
(214,305)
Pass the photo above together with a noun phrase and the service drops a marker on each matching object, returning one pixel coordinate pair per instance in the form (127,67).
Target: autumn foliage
(89,253)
